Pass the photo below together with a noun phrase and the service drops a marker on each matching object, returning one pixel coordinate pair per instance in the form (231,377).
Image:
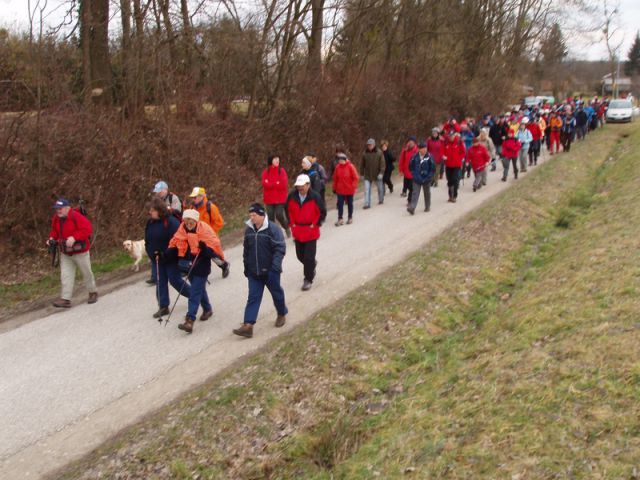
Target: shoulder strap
(209,208)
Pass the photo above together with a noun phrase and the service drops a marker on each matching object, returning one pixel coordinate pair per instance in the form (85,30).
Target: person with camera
(193,247)
(71,235)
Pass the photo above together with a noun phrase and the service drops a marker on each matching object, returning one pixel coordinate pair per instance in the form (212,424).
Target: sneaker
(187,326)
(226,269)
(62,303)
(280,321)
(349,221)
(306,285)
(161,313)
(206,315)
(339,222)
(245,330)
(411,210)
(93,297)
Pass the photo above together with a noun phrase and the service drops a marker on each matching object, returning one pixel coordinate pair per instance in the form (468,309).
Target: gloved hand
(159,254)
(202,246)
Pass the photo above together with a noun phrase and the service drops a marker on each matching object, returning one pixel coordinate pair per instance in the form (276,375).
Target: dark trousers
(453,181)
(407,187)
(169,274)
(256,290)
(386,177)
(306,253)
(534,152)
(566,139)
(276,212)
(341,201)
(198,296)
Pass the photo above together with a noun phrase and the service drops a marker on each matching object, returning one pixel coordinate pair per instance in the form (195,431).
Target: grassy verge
(507,348)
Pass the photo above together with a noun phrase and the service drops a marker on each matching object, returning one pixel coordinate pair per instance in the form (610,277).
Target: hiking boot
(161,312)
(349,221)
(391,189)
(206,315)
(339,222)
(280,321)
(150,281)
(427,209)
(366,207)
(245,330)
(306,285)
(504,179)
(62,303)
(411,210)
(226,269)
(187,326)
(93,297)
(475,188)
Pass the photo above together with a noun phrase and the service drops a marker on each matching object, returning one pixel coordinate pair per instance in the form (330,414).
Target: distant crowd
(182,238)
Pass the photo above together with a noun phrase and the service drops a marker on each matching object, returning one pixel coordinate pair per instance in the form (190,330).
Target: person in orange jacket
(209,213)
(555,123)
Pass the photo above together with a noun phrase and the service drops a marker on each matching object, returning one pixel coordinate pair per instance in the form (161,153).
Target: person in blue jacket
(264,251)
(161,226)
(423,168)
(467,136)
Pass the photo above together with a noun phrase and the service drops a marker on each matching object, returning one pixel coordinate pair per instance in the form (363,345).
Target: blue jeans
(367,191)
(256,290)
(198,296)
(169,274)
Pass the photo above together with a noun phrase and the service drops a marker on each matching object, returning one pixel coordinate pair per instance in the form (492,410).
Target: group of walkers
(182,240)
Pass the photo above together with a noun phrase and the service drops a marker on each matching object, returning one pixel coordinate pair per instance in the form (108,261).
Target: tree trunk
(315,37)
(94,41)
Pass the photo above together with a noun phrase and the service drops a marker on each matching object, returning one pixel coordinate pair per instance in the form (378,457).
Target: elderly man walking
(264,250)
(306,213)
(71,234)
(423,169)
(371,168)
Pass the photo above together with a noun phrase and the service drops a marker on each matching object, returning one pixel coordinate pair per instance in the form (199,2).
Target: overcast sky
(13,15)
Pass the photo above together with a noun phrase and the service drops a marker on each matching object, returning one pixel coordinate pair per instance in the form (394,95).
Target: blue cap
(422,145)
(61,203)
(161,185)
(412,138)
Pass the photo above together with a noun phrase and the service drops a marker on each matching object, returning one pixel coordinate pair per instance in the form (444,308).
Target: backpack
(175,213)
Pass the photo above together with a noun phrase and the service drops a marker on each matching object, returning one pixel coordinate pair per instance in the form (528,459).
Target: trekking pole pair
(184,282)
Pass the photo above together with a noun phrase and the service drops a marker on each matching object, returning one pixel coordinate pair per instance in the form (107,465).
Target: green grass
(505,349)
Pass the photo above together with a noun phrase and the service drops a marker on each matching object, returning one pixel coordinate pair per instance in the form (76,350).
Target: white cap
(525,120)
(191,214)
(300,181)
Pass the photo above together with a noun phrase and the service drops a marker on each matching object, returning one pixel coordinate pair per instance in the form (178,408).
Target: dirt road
(71,380)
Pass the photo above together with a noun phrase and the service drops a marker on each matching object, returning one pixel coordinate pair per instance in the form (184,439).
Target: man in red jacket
(536,134)
(71,231)
(409,150)
(510,150)
(453,157)
(306,213)
(479,158)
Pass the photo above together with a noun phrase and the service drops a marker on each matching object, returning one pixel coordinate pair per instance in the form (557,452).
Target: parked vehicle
(620,111)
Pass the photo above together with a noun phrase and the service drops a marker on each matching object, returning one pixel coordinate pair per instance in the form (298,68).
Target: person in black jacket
(264,250)
(160,228)
(389,161)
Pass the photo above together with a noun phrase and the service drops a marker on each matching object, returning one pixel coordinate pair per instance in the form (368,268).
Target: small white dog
(135,249)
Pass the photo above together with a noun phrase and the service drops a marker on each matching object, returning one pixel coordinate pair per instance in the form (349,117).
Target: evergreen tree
(632,65)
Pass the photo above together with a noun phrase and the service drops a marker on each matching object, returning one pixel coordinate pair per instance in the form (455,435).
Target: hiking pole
(184,282)
(158,285)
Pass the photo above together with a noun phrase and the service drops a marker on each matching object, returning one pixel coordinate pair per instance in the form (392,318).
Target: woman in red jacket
(409,150)
(510,150)
(275,186)
(345,184)
(453,157)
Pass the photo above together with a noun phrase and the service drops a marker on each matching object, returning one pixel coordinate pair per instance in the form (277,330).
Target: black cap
(258,209)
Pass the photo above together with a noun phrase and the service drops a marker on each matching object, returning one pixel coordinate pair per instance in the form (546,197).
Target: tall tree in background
(94,41)
(553,51)
(632,65)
